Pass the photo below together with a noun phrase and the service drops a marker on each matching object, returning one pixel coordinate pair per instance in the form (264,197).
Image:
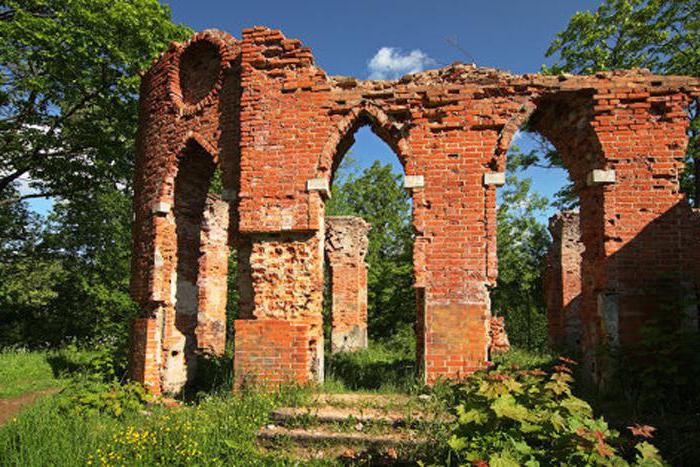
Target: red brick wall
(270,352)
(180,139)
(273,121)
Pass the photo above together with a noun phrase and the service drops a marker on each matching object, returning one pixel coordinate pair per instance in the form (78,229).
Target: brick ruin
(562,281)
(346,248)
(275,126)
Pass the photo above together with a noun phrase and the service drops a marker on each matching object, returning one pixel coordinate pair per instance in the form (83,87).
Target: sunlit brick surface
(261,112)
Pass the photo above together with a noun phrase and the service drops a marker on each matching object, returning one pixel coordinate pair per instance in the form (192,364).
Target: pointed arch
(366,114)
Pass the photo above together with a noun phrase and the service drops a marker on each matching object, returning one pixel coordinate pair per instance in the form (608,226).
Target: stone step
(346,447)
(327,436)
(366,428)
(336,414)
(385,401)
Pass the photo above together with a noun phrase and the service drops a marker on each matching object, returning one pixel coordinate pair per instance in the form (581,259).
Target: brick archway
(278,121)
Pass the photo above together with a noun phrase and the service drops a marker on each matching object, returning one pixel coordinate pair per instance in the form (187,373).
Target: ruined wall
(188,129)
(562,282)
(277,126)
(346,248)
(498,337)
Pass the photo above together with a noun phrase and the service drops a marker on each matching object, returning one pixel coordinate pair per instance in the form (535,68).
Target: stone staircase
(371,429)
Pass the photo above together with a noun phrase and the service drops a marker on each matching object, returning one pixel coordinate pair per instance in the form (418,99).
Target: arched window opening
(369,267)
(201,228)
(538,290)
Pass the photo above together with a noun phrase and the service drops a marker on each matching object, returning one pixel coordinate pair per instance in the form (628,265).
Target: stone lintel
(160,208)
(411,182)
(600,177)
(319,184)
(495,178)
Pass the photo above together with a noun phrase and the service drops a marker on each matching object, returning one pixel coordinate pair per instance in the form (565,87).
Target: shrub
(91,397)
(508,416)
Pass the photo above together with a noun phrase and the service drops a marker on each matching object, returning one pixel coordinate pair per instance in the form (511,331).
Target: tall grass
(384,366)
(219,430)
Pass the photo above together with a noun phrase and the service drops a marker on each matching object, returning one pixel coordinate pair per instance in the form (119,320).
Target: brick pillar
(212,279)
(624,148)
(346,247)
(562,282)
(451,204)
(280,327)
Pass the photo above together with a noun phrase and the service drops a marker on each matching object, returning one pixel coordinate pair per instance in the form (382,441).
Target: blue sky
(345,36)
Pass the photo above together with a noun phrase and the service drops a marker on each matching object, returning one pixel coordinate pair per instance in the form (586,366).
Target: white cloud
(391,63)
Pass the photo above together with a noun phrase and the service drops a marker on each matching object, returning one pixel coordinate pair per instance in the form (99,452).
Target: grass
(24,372)
(384,366)
(217,430)
(212,427)
(525,359)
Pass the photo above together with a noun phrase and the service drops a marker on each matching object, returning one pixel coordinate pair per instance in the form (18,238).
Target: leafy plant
(509,416)
(87,398)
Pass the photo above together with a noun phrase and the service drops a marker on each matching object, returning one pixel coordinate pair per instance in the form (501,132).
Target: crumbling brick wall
(346,248)
(277,127)
(562,281)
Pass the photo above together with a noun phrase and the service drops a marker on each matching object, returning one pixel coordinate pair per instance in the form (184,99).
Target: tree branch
(16,199)
(6,180)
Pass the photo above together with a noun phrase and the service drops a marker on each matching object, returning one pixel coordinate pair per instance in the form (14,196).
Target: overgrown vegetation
(514,416)
(656,381)
(385,366)
(68,113)
(95,420)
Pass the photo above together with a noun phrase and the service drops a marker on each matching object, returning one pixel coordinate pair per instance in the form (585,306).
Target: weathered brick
(260,111)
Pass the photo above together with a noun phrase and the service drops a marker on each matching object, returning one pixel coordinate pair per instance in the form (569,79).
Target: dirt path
(11,407)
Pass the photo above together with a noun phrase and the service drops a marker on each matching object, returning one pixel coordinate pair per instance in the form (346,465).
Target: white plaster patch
(160,208)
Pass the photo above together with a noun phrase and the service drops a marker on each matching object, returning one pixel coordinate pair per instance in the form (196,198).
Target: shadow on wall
(652,280)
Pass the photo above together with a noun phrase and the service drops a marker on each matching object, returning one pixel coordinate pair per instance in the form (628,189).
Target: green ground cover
(23,372)
(513,414)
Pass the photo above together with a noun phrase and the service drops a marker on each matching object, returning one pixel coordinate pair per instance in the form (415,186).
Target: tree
(68,116)
(376,195)
(69,90)
(28,276)
(661,35)
(522,245)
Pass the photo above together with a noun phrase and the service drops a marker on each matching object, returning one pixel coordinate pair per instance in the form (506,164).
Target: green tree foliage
(68,116)
(27,275)
(661,35)
(376,195)
(522,244)
(69,89)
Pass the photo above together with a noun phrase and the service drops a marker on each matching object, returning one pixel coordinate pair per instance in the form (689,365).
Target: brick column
(562,281)
(279,333)
(212,279)
(346,247)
